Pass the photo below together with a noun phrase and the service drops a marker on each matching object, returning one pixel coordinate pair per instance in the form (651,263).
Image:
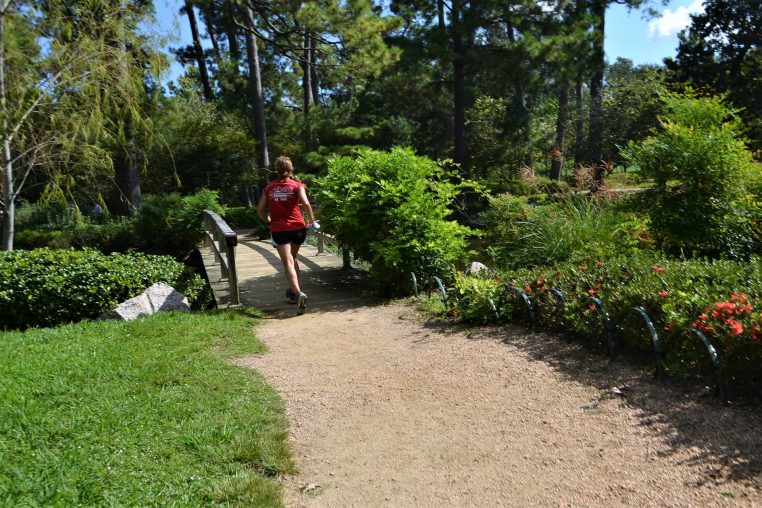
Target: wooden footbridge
(241,259)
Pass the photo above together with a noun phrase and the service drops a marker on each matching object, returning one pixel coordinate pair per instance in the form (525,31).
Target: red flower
(702,317)
(735,326)
(583,267)
(658,269)
(663,293)
(591,292)
(591,306)
(527,288)
(598,264)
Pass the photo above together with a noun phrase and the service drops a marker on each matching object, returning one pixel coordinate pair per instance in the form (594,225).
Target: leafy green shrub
(116,235)
(699,165)
(241,217)
(173,224)
(47,287)
(391,210)
(503,218)
(53,212)
(246,218)
(37,238)
(478,298)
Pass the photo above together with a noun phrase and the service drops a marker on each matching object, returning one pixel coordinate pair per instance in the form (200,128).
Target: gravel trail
(387,409)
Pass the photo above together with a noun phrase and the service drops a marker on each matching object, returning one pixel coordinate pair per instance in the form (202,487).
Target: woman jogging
(283,198)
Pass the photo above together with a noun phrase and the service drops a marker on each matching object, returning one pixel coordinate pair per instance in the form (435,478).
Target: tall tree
(597,12)
(721,51)
(198,50)
(257,100)
(598,65)
(66,69)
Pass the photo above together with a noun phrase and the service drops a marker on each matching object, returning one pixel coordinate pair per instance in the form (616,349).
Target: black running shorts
(286,237)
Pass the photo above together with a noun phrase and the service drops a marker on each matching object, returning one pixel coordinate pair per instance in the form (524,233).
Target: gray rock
(165,298)
(477,268)
(157,298)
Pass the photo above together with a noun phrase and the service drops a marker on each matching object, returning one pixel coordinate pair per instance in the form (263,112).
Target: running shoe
(290,296)
(301,308)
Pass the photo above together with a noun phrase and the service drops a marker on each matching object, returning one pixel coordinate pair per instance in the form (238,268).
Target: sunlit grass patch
(142,413)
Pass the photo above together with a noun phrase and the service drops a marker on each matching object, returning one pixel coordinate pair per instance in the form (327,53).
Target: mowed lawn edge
(148,412)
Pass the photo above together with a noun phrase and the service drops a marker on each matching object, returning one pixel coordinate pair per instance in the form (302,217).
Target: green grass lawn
(149,412)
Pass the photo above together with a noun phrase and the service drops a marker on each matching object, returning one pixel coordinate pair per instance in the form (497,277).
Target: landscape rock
(477,268)
(158,298)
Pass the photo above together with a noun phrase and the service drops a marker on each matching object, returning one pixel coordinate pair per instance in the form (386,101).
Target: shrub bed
(719,298)
(48,287)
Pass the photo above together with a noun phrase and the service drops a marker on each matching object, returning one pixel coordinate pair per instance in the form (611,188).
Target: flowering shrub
(720,298)
(738,319)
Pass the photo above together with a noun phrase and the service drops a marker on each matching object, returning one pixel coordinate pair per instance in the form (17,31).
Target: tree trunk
(558,152)
(208,13)
(257,101)
(596,91)
(9,202)
(314,83)
(200,60)
(441,14)
(307,98)
(520,105)
(127,179)
(6,165)
(579,123)
(125,161)
(231,31)
(459,89)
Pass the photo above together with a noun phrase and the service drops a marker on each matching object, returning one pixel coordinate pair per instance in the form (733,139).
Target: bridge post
(223,240)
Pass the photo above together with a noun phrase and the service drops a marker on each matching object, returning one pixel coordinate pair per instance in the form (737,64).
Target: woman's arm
(306,202)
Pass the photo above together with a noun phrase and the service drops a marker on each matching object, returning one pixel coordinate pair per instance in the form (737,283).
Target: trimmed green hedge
(48,287)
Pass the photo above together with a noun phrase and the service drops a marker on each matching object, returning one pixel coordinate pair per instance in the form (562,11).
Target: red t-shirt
(283,203)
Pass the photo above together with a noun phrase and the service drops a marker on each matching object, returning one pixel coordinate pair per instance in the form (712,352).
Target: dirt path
(387,410)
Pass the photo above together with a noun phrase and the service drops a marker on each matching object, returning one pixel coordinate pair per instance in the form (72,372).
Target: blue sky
(647,41)
(629,34)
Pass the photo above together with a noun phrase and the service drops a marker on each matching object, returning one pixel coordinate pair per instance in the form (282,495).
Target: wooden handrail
(323,238)
(222,240)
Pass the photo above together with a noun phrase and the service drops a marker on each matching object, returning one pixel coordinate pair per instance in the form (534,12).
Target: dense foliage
(391,209)
(702,201)
(47,287)
(520,235)
(168,224)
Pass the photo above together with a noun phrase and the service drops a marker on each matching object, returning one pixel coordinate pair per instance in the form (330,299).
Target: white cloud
(671,22)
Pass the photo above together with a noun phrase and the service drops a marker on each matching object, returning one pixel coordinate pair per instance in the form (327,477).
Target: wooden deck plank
(263,285)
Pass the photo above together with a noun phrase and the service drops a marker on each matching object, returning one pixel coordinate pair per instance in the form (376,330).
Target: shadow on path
(685,415)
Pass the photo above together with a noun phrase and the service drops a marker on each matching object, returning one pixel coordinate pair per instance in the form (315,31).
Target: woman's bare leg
(294,253)
(290,266)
